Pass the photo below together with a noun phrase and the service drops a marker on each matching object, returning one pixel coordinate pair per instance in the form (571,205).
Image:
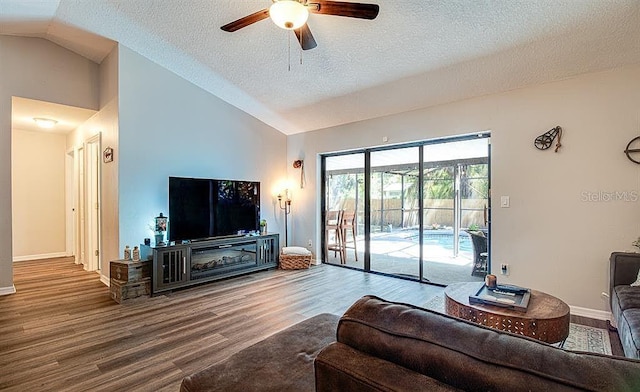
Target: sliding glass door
(409,210)
(393,198)
(343,214)
(455,201)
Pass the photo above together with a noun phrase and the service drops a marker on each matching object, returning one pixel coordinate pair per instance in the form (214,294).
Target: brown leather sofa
(386,346)
(625,300)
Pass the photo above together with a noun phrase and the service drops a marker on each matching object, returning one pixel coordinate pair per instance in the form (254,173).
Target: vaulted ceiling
(415,54)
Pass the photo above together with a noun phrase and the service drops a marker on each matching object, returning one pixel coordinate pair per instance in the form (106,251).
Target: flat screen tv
(202,208)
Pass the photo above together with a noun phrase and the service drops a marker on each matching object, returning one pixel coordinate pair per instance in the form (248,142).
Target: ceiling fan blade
(341,8)
(305,37)
(246,21)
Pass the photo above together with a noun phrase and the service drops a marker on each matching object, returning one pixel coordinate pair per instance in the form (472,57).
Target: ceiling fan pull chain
(289,35)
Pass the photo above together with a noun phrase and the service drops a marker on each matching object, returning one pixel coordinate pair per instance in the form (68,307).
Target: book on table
(506,296)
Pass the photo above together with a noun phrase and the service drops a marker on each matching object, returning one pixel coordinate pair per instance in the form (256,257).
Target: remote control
(504,292)
(511,288)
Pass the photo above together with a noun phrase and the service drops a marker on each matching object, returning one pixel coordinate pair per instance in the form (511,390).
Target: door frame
(70,203)
(93,209)
(84,197)
(367,202)
(79,205)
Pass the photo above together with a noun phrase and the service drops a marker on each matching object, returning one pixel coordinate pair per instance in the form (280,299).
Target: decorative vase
(127,253)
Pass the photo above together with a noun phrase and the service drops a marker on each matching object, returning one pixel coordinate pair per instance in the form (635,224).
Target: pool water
(445,240)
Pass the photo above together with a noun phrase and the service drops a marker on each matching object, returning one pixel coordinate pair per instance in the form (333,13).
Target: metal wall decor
(299,164)
(545,140)
(107,155)
(635,151)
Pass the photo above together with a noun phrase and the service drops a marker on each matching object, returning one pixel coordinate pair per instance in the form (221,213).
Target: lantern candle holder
(161,229)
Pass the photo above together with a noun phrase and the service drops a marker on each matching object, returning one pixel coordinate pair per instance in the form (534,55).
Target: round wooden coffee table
(546,318)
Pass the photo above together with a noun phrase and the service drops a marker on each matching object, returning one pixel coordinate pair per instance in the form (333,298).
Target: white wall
(553,240)
(105,123)
(170,127)
(38,194)
(37,69)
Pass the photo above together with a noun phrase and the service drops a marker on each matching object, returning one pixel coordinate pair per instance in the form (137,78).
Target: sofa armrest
(339,367)
(623,269)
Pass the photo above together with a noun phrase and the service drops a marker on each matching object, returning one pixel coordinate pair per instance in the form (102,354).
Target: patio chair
(349,226)
(333,234)
(479,241)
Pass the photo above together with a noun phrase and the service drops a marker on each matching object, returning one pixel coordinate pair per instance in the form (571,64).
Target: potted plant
(263,226)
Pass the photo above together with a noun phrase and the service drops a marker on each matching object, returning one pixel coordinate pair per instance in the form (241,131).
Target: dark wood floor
(61,331)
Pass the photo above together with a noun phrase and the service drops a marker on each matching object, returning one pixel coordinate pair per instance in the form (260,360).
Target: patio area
(397,252)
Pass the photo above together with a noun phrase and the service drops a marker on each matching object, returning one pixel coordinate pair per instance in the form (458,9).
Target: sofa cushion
(629,332)
(628,296)
(281,362)
(623,268)
(637,282)
(472,357)
(339,367)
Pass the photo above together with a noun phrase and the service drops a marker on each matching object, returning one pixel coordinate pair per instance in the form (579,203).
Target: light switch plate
(504,201)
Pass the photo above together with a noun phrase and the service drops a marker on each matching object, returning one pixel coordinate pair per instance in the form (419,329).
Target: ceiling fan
(293,14)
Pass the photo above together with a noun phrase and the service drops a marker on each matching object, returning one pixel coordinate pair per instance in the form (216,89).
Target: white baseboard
(591,313)
(38,257)
(105,280)
(7,290)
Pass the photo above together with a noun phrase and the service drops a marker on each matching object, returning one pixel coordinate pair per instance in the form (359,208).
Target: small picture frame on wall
(107,155)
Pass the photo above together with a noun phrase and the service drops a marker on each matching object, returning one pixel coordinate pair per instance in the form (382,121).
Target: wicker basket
(295,261)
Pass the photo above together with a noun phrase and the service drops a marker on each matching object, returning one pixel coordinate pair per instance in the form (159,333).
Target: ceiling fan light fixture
(288,14)
(45,123)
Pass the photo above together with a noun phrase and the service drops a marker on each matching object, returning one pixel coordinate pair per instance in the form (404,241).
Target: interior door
(80,210)
(70,209)
(92,204)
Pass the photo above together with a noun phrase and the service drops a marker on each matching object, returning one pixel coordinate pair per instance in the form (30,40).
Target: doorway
(86,201)
(42,159)
(92,204)
(416,206)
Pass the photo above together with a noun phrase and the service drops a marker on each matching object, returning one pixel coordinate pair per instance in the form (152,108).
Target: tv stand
(217,238)
(207,260)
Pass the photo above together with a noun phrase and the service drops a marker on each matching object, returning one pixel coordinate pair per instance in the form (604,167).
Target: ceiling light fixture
(46,123)
(288,14)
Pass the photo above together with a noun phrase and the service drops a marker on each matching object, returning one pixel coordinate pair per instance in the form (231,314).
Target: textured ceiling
(417,53)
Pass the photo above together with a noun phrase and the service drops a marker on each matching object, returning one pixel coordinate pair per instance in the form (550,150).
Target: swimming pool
(445,240)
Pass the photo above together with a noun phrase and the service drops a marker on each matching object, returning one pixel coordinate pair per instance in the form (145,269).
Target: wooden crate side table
(129,279)
(129,270)
(546,318)
(121,291)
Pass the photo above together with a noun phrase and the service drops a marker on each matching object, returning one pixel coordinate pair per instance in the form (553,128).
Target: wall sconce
(287,210)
